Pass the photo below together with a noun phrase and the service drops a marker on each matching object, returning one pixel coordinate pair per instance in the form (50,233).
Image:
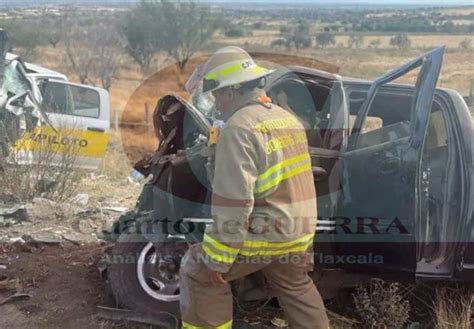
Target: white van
(79,116)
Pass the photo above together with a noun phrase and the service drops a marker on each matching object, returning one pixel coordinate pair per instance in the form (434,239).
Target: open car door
(381,214)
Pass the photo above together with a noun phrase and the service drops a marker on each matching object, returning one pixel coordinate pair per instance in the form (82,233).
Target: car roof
(345,79)
(314,72)
(36,69)
(400,85)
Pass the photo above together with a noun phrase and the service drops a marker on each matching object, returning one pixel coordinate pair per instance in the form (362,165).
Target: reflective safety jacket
(264,199)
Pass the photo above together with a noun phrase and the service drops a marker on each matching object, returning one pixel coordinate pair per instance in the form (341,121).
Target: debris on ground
(160,319)
(14,297)
(12,215)
(47,221)
(339,321)
(42,238)
(41,209)
(7,284)
(82,199)
(74,238)
(279,323)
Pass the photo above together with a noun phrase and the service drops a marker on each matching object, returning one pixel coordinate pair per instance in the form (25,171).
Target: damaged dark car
(392,166)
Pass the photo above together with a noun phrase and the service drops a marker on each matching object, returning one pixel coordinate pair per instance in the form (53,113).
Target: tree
(106,63)
(278,43)
(285,29)
(235,32)
(178,28)
(355,41)
(79,53)
(297,36)
(401,41)
(140,29)
(325,39)
(24,37)
(375,43)
(301,37)
(184,29)
(92,52)
(53,27)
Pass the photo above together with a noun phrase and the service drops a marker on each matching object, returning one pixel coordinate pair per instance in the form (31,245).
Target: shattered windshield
(14,82)
(205,103)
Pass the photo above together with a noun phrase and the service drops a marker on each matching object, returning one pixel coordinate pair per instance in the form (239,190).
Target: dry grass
(37,167)
(457,71)
(265,38)
(103,190)
(259,37)
(453,309)
(338,321)
(417,41)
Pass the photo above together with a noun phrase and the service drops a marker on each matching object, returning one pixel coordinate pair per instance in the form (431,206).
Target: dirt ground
(63,283)
(64,287)
(52,256)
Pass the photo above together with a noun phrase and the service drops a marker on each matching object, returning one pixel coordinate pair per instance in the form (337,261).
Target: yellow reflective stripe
(233,68)
(217,257)
(219,246)
(259,69)
(225,71)
(226,325)
(267,244)
(281,177)
(284,163)
(296,249)
(257,248)
(211,76)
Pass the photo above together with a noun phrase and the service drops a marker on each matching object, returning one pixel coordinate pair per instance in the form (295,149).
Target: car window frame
(66,84)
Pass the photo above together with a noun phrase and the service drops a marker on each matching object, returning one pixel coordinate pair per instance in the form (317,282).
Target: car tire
(128,287)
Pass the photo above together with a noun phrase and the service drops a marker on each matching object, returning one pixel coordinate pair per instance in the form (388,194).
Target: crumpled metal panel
(19,108)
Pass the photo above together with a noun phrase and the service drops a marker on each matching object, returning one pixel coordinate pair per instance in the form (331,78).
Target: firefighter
(263,203)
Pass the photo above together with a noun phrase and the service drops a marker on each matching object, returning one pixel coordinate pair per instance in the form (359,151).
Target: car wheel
(144,276)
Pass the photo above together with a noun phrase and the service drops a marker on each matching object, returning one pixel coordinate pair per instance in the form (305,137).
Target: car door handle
(390,166)
(99,130)
(319,174)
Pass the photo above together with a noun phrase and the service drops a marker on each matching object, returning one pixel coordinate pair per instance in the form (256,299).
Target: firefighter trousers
(207,305)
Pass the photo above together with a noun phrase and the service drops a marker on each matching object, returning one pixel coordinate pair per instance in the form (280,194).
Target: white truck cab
(79,117)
